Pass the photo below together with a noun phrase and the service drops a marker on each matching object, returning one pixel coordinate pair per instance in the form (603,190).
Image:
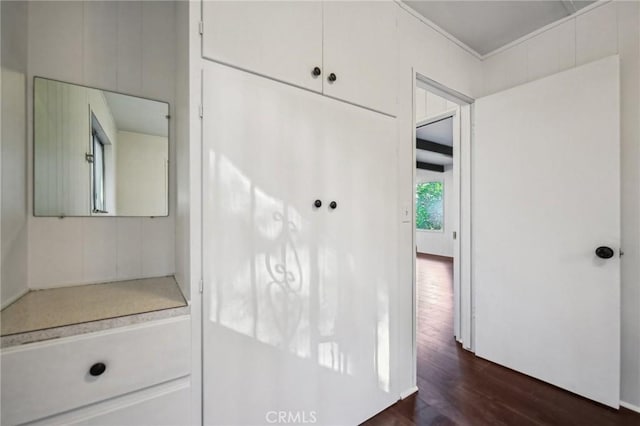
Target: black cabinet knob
(318,203)
(332,77)
(333,205)
(604,252)
(316,71)
(97,369)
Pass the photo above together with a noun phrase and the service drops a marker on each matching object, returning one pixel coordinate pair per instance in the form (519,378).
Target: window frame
(98,197)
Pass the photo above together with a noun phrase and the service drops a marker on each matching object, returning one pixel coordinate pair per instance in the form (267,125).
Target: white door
(279,39)
(546,194)
(296,297)
(360,48)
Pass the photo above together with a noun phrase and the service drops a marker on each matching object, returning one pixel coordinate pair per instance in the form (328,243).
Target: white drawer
(167,404)
(46,378)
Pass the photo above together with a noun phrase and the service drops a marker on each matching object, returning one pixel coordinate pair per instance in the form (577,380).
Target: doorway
(436,207)
(441,237)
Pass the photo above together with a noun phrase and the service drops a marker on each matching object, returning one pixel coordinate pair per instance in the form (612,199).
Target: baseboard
(408,392)
(629,406)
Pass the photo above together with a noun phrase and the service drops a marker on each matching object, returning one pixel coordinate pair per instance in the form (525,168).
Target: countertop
(67,311)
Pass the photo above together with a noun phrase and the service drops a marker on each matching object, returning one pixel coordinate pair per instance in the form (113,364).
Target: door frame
(464,324)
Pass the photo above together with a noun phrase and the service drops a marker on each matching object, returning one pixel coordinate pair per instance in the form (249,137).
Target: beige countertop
(64,311)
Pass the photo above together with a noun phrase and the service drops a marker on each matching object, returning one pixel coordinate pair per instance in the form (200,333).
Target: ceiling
(485,26)
(440,132)
(138,115)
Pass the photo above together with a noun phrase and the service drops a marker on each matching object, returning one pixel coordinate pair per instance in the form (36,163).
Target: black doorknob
(97,369)
(604,252)
(332,77)
(318,203)
(333,205)
(316,71)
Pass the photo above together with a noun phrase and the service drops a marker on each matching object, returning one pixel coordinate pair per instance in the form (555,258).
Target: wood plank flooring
(457,388)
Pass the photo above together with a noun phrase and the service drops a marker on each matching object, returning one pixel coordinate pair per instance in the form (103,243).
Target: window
(430,206)
(98,175)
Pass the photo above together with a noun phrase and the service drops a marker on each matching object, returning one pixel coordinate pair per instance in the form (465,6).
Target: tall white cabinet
(346,50)
(297,295)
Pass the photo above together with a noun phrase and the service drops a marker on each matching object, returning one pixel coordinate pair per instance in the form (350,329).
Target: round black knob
(97,369)
(316,71)
(604,252)
(333,205)
(318,203)
(332,77)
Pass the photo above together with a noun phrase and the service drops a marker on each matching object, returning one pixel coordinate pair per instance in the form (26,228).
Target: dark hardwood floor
(457,388)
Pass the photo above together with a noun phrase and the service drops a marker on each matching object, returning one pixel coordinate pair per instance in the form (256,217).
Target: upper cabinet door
(279,39)
(360,49)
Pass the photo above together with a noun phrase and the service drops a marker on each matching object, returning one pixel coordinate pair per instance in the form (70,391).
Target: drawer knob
(332,77)
(97,369)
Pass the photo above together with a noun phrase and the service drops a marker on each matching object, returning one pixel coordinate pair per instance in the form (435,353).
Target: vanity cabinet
(345,50)
(50,377)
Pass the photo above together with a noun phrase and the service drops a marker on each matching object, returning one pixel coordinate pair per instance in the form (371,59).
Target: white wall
(438,242)
(13,214)
(126,47)
(182,121)
(429,104)
(142,174)
(606,30)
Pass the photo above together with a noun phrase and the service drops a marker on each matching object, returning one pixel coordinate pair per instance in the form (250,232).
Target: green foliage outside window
(429,206)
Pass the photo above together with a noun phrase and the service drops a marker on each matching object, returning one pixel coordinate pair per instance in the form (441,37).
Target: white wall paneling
(100,35)
(552,51)
(506,69)
(429,105)
(610,28)
(181,114)
(13,155)
(120,46)
(596,34)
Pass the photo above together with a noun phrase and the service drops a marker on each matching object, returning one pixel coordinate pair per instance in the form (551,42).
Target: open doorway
(441,245)
(436,219)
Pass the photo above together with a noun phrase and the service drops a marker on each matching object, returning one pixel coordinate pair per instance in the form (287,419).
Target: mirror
(98,153)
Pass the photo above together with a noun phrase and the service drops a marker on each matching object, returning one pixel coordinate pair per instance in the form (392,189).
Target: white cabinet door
(279,39)
(360,48)
(296,298)
(546,190)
